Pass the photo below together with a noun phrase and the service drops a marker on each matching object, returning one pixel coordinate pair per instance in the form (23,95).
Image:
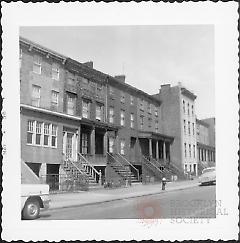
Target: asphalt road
(196,202)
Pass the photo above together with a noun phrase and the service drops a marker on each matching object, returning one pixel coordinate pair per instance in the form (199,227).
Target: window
(184,126)
(141,104)
(190,150)
(99,112)
(149,122)
(55,71)
(189,129)
(38,133)
(30,132)
(192,110)
(111,115)
(132,120)
(41,134)
(131,100)
(122,97)
(122,146)
(149,108)
(156,126)
(156,111)
(193,129)
(54,99)
(85,108)
(36,95)
(46,138)
(54,136)
(188,109)
(71,98)
(194,151)
(185,150)
(122,116)
(70,79)
(141,122)
(111,145)
(37,66)
(184,106)
(99,88)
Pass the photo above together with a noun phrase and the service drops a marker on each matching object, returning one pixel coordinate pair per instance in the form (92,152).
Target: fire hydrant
(164,182)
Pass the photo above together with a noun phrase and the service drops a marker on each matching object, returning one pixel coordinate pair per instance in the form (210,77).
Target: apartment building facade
(72,112)
(178,120)
(205,143)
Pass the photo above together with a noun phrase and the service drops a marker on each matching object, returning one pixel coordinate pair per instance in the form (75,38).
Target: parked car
(33,198)
(208,176)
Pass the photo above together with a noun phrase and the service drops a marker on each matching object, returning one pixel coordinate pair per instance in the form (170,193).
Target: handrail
(152,164)
(89,164)
(115,159)
(165,168)
(81,172)
(130,164)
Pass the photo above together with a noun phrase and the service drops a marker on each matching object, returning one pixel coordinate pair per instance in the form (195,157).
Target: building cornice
(202,123)
(54,113)
(187,93)
(205,146)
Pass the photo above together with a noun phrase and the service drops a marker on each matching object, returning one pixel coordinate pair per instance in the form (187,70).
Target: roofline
(205,145)
(55,113)
(103,76)
(41,48)
(188,93)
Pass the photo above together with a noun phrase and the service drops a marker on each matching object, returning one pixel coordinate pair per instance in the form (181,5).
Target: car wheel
(31,210)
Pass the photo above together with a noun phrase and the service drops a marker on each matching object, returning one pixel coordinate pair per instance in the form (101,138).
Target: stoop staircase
(121,168)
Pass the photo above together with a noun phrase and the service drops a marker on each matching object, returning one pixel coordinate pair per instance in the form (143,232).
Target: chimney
(120,78)
(89,64)
(165,87)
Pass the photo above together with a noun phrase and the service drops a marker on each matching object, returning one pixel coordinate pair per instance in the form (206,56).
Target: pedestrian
(164,181)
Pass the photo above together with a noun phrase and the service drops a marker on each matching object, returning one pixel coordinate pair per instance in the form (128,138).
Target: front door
(84,143)
(69,146)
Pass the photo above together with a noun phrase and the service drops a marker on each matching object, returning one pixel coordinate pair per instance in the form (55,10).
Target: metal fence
(65,183)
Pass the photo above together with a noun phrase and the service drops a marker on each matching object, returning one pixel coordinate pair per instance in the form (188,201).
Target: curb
(118,199)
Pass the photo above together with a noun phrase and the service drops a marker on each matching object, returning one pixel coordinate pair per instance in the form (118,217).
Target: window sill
(40,146)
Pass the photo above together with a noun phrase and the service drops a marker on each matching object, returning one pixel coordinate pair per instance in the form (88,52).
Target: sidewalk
(75,199)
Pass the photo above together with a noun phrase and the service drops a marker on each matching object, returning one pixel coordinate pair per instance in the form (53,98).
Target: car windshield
(208,170)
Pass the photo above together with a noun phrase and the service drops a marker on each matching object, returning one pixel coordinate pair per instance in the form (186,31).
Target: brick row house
(82,124)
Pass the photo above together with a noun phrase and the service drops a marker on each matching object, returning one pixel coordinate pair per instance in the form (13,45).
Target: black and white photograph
(120,125)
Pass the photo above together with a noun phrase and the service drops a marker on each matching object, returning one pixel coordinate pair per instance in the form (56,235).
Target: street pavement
(187,202)
(65,200)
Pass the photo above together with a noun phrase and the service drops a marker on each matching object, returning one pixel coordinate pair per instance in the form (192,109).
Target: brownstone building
(80,124)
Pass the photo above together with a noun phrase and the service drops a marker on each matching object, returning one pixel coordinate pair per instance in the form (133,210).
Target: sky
(149,56)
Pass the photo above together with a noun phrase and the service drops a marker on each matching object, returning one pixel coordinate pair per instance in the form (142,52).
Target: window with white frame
(188,109)
(156,126)
(149,108)
(132,120)
(71,100)
(122,146)
(184,106)
(122,118)
(194,148)
(190,153)
(37,64)
(38,133)
(55,71)
(189,129)
(46,138)
(156,111)
(149,122)
(122,99)
(36,95)
(141,122)
(54,98)
(54,136)
(193,128)
(70,79)
(30,131)
(131,100)
(99,112)
(111,115)
(41,134)
(85,108)
(111,144)
(192,110)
